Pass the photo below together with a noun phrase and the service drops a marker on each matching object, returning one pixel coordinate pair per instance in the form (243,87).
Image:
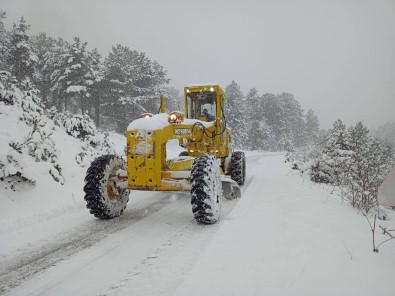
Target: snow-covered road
(284,237)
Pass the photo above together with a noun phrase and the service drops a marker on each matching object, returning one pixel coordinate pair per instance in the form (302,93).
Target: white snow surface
(160,121)
(201,84)
(75,89)
(285,236)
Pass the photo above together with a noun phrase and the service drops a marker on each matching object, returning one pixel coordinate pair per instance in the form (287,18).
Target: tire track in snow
(42,256)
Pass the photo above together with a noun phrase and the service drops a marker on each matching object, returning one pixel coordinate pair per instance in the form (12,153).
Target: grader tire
(206,189)
(101,200)
(238,163)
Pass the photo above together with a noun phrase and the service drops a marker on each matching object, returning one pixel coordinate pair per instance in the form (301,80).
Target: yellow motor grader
(208,167)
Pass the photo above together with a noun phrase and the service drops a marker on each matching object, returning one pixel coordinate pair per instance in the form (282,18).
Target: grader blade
(231,190)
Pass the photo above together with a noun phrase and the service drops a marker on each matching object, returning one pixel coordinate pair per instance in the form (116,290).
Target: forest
(70,79)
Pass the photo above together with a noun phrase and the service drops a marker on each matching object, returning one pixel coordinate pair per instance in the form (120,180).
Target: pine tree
(72,76)
(260,135)
(294,122)
(45,47)
(370,162)
(173,99)
(312,127)
(3,42)
(134,85)
(95,85)
(332,163)
(235,115)
(21,57)
(273,112)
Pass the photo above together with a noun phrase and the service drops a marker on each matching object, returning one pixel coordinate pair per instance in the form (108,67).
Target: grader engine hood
(148,166)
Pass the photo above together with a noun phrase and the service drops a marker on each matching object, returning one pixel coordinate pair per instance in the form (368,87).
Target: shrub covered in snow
(42,147)
(80,126)
(38,145)
(12,166)
(351,160)
(93,147)
(8,89)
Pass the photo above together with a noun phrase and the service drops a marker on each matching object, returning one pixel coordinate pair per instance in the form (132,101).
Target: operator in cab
(207,116)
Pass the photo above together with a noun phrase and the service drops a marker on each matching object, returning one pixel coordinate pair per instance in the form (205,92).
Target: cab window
(201,106)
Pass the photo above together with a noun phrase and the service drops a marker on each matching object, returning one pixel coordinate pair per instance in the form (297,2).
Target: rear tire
(238,164)
(206,189)
(101,200)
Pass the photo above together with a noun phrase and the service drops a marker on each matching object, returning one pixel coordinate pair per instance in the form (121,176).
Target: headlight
(173,117)
(211,89)
(176,117)
(188,90)
(146,115)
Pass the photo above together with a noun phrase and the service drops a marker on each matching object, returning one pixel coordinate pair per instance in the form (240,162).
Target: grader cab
(208,167)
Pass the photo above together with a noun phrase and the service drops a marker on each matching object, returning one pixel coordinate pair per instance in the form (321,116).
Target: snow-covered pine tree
(173,99)
(76,71)
(354,162)
(370,162)
(51,67)
(42,147)
(272,111)
(45,47)
(115,80)
(72,76)
(260,135)
(235,114)
(3,42)
(30,102)
(294,123)
(21,57)
(332,163)
(95,85)
(253,109)
(312,127)
(134,85)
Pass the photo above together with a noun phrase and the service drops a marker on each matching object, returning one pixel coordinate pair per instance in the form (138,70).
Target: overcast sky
(336,56)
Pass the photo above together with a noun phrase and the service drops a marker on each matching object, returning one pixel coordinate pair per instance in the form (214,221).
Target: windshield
(201,106)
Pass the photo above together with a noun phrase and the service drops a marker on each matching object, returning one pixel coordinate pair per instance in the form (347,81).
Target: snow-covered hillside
(285,236)
(47,198)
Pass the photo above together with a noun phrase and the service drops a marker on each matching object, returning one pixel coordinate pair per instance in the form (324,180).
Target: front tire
(206,189)
(101,199)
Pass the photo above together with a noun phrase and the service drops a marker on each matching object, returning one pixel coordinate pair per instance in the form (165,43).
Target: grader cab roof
(204,88)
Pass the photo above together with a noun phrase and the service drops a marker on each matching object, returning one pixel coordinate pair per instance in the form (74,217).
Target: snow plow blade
(231,190)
